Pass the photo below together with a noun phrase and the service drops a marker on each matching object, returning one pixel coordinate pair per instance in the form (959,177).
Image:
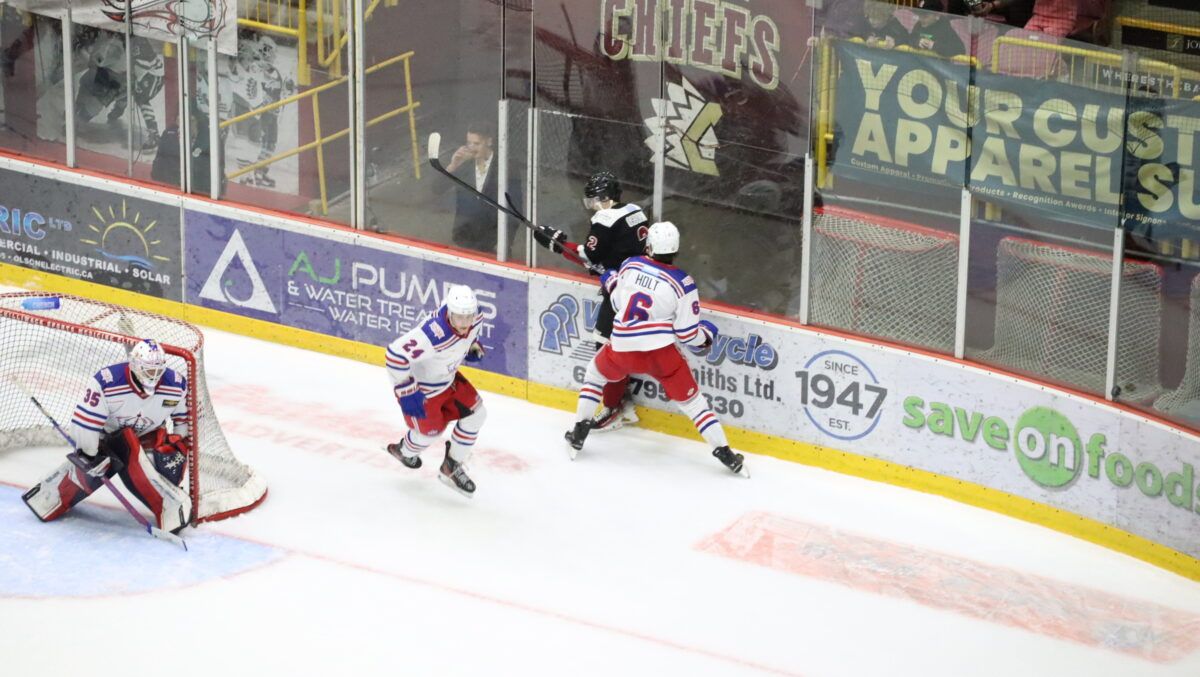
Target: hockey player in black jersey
(617,232)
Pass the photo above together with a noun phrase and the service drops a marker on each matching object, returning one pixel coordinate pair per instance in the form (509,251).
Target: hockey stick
(434,148)
(78,462)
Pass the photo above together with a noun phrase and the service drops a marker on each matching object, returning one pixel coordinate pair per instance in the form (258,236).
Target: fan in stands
(120,428)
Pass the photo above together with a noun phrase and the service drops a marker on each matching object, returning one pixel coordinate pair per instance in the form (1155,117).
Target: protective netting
(1185,399)
(886,279)
(50,352)
(1052,317)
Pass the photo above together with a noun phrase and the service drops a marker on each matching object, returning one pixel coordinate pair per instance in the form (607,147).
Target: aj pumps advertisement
(348,289)
(91,235)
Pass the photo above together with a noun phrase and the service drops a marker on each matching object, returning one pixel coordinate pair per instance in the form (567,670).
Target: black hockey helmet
(601,186)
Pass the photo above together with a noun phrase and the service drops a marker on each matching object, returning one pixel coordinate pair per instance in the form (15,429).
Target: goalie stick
(434,149)
(74,458)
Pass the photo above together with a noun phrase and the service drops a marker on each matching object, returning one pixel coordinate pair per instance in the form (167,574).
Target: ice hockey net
(884,278)
(1052,317)
(50,344)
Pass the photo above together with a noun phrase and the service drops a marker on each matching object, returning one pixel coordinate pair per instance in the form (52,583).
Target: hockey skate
(731,460)
(575,437)
(614,418)
(454,475)
(397,450)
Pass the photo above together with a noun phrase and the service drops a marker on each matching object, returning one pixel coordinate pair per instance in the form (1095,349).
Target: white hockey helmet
(147,361)
(663,238)
(461,307)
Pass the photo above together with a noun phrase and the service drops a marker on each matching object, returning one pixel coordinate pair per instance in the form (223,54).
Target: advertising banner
(342,285)
(1065,152)
(742,376)
(996,432)
(90,234)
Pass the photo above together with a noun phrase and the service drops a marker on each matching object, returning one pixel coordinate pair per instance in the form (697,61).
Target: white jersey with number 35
(656,305)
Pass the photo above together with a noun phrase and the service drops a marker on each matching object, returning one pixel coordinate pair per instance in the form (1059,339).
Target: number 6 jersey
(656,304)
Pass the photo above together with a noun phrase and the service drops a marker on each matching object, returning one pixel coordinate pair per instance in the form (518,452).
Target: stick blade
(167,536)
(435,145)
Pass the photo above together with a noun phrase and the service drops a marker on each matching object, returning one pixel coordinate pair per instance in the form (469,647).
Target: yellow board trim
(651,419)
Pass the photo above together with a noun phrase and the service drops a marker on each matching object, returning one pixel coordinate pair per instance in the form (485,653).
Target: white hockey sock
(462,438)
(704,420)
(591,393)
(415,442)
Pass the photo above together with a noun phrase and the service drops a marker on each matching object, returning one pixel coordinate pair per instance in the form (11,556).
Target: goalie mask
(462,309)
(602,186)
(147,361)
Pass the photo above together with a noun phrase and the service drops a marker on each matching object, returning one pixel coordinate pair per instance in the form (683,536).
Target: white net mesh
(51,353)
(1185,400)
(890,280)
(1052,309)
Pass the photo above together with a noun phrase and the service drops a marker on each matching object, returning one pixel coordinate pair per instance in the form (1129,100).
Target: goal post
(51,344)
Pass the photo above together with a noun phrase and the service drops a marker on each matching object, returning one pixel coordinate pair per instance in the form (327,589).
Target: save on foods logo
(1053,454)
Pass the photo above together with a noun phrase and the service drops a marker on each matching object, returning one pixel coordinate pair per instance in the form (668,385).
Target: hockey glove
(412,400)
(97,466)
(608,280)
(173,444)
(710,332)
(550,238)
(475,353)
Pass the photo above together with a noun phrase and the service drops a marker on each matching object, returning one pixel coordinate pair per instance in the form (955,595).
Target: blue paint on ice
(94,550)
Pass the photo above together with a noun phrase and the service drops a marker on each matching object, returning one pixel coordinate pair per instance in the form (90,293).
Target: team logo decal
(687,120)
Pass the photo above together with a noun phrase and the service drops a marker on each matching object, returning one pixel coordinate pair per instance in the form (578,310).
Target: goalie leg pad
(54,496)
(169,502)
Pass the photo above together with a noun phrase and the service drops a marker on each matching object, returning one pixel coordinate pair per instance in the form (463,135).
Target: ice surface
(642,557)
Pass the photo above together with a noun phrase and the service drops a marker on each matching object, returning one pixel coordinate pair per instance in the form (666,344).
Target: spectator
(933,32)
(475,163)
(1062,18)
(880,27)
(1012,12)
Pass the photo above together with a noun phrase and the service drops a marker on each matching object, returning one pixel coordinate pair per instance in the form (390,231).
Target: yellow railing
(319,141)
(333,31)
(1160,26)
(281,17)
(1076,65)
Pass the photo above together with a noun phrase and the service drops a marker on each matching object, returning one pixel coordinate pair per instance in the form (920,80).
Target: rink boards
(1051,457)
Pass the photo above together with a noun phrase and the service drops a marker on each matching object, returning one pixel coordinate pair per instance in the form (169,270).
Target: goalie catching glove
(161,442)
(412,400)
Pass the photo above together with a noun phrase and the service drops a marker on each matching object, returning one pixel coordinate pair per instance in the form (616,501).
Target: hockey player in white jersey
(423,364)
(656,304)
(120,428)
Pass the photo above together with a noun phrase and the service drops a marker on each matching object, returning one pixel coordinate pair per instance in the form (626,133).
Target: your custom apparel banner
(1064,152)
